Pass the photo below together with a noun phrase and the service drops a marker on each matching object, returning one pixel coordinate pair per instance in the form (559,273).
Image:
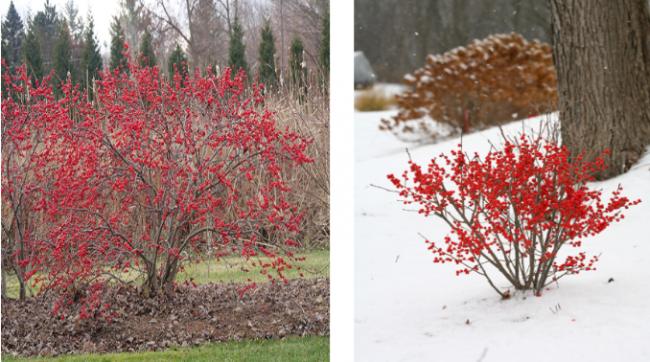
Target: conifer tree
(46,26)
(91,60)
(177,61)
(13,35)
(77,35)
(118,58)
(237,51)
(63,55)
(325,46)
(147,57)
(297,67)
(267,57)
(32,56)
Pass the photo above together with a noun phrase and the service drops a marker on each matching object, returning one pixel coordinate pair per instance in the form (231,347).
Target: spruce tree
(77,34)
(237,51)
(325,46)
(147,57)
(177,61)
(91,60)
(62,55)
(13,34)
(298,69)
(4,51)
(32,56)
(118,58)
(296,63)
(267,57)
(46,26)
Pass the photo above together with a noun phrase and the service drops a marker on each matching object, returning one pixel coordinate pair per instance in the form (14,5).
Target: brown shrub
(487,82)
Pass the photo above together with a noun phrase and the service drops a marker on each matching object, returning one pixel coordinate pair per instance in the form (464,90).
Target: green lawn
(229,269)
(289,349)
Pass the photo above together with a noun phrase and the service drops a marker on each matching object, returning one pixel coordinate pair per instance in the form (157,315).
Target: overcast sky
(102,11)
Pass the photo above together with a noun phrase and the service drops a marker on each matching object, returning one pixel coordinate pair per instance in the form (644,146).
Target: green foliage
(91,60)
(237,51)
(77,33)
(118,57)
(147,57)
(268,74)
(13,34)
(288,349)
(62,54)
(298,68)
(325,45)
(177,61)
(75,23)
(32,56)
(46,26)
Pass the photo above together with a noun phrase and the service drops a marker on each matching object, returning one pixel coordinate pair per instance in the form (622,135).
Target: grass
(373,100)
(228,269)
(289,349)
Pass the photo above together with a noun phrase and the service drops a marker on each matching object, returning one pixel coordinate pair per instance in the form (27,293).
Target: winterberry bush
(25,117)
(512,211)
(148,176)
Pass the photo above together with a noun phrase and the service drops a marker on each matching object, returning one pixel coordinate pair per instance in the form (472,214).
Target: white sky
(102,11)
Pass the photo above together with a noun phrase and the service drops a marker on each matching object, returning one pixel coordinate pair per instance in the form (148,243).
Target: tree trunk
(601,50)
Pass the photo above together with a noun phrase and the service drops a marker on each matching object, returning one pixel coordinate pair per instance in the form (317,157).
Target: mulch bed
(193,315)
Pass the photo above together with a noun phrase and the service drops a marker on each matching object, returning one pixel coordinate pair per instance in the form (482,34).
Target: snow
(407,308)
(388,89)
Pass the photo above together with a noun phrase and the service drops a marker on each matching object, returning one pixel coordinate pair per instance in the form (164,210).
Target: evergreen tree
(46,26)
(267,57)
(237,51)
(177,61)
(91,60)
(63,55)
(13,34)
(118,58)
(4,51)
(325,46)
(147,57)
(135,19)
(297,66)
(77,34)
(75,23)
(32,56)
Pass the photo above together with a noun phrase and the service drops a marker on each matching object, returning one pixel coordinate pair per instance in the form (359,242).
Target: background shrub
(487,82)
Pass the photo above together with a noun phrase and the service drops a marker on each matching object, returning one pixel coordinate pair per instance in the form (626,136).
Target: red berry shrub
(25,118)
(513,210)
(152,174)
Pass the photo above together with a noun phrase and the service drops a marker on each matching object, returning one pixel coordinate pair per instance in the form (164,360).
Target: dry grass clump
(372,100)
(309,117)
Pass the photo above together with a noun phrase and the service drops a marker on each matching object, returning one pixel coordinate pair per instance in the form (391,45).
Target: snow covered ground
(407,308)
(389,89)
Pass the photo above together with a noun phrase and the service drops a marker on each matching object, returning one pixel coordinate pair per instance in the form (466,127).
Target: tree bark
(601,50)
